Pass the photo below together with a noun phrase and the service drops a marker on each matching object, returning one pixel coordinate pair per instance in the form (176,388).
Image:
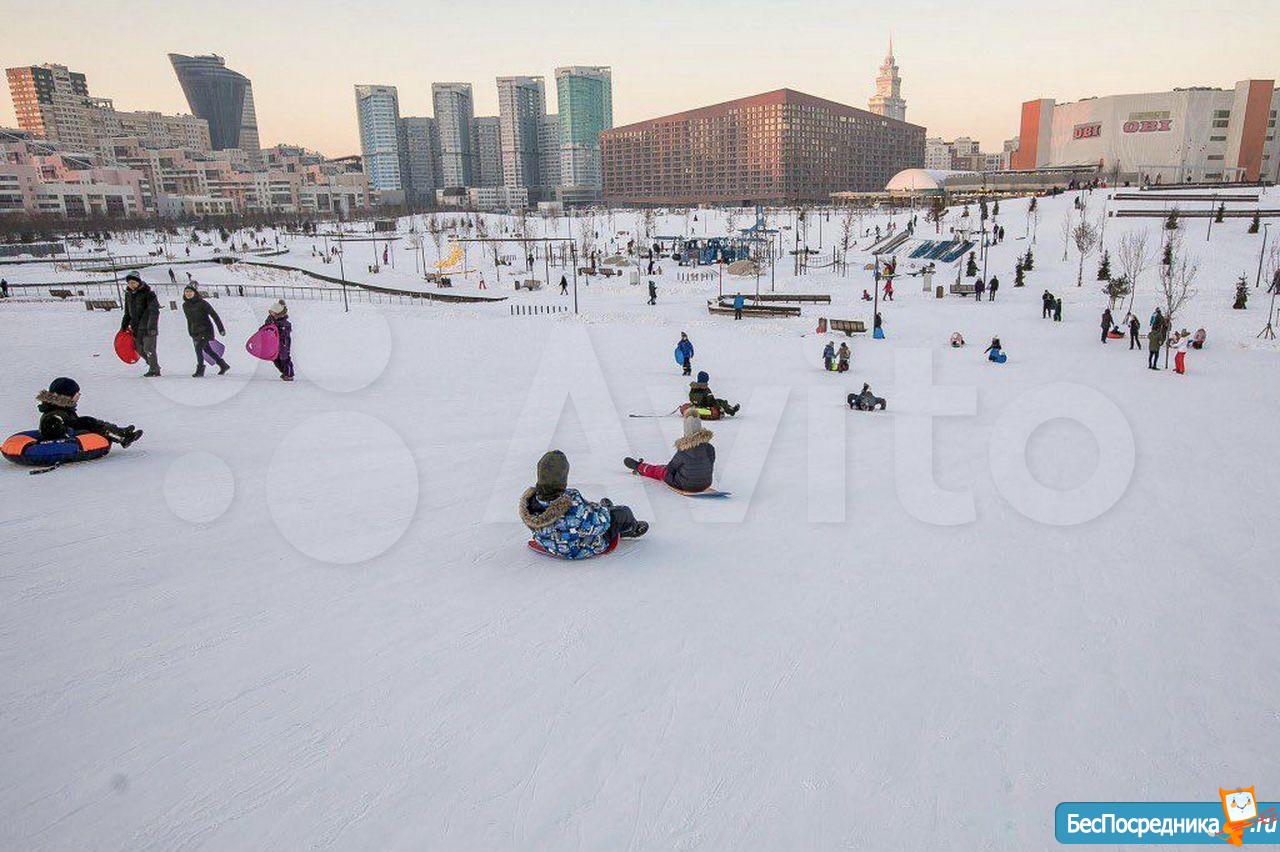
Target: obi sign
(1086,131)
(1148,122)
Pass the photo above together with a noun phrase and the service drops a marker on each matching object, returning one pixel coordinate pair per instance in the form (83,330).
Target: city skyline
(657,68)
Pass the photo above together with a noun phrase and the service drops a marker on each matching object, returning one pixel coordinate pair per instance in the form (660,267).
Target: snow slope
(303,616)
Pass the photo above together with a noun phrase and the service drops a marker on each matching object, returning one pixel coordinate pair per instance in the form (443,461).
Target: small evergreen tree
(1018,274)
(1029,262)
(1242,294)
(1104,268)
(1171,223)
(982,209)
(972,268)
(1254,224)
(1167,258)
(1222,211)
(1116,289)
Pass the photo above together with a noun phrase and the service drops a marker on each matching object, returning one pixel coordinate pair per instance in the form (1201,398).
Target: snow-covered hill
(300,616)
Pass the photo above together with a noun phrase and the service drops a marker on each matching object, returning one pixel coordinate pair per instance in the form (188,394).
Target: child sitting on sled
(565,524)
(700,396)
(866,401)
(58,416)
(690,469)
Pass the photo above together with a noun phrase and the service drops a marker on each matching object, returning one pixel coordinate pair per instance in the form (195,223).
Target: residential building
(887,100)
(156,129)
(53,103)
(486,151)
(522,105)
(778,147)
(1195,134)
(549,161)
(584,96)
(420,145)
(454,110)
(222,97)
(378,113)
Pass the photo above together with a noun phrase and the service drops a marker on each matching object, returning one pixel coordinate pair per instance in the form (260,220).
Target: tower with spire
(887,100)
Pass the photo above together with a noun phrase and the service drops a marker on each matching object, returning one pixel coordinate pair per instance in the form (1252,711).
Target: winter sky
(966,67)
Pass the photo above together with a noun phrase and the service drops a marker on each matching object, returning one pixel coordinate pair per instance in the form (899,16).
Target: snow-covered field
(303,616)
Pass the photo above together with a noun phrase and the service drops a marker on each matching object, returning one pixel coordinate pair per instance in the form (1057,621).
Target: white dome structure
(923,180)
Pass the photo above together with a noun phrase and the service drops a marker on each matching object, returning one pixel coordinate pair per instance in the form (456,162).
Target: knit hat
(692,423)
(278,308)
(703,377)
(63,386)
(133,276)
(553,473)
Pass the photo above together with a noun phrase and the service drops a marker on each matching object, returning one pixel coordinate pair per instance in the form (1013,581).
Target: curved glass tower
(222,97)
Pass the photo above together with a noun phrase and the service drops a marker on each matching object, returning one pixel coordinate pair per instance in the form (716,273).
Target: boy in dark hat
(201,318)
(700,396)
(564,523)
(58,416)
(142,318)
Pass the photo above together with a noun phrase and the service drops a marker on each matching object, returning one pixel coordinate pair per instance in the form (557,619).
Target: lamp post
(1262,251)
(342,270)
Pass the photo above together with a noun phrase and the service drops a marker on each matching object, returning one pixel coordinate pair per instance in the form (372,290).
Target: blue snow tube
(28,448)
(997,356)
(878,334)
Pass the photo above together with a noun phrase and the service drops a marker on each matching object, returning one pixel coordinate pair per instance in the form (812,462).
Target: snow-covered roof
(909,180)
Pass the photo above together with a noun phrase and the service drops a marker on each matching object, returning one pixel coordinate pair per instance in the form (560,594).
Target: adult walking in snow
(1107,322)
(1057,309)
(565,524)
(142,320)
(978,287)
(564,285)
(992,287)
(684,352)
(1046,305)
(201,319)
(653,292)
(828,355)
(739,301)
(842,358)
(693,464)
(278,315)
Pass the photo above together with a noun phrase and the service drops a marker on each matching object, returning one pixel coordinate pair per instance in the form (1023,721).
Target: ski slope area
(303,616)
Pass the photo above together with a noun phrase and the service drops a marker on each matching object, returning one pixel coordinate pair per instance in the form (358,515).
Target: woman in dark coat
(201,319)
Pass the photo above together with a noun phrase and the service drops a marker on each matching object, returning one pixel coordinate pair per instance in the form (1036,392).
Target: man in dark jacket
(653,292)
(700,396)
(1155,340)
(1134,328)
(691,468)
(1046,305)
(1107,322)
(142,318)
(992,288)
(58,415)
(201,318)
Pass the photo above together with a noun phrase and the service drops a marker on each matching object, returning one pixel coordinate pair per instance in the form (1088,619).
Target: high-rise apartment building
(378,112)
(778,147)
(887,100)
(420,148)
(53,103)
(584,96)
(454,110)
(222,97)
(486,153)
(522,105)
(549,164)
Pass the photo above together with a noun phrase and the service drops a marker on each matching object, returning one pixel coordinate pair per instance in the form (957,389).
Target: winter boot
(128,435)
(631,464)
(199,373)
(638,530)
(733,410)
(223,367)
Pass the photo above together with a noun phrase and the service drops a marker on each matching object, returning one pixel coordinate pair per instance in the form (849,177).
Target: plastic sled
(265,343)
(1115,335)
(679,358)
(999,357)
(703,413)
(710,492)
(125,349)
(537,548)
(218,349)
(878,334)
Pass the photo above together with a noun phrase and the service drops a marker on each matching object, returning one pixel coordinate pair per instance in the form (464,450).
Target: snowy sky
(966,77)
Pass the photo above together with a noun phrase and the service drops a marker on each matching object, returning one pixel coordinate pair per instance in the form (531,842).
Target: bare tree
(483,232)
(1085,237)
(1134,256)
(436,227)
(1177,285)
(848,223)
(1068,226)
(731,221)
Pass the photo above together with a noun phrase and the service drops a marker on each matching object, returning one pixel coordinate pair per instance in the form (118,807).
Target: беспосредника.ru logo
(1238,818)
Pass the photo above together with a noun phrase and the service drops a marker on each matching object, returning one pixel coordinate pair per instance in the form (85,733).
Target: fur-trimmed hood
(56,399)
(697,439)
(548,517)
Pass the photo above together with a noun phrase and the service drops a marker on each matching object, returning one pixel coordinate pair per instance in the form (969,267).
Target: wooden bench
(964,289)
(814,298)
(754,310)
(849,327)
(100,304)
(529,284)
(61,294)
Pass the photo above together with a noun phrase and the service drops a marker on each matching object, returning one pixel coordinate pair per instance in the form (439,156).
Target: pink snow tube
(265,343)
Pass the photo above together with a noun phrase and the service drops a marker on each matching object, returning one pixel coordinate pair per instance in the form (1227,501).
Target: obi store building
(1187,135)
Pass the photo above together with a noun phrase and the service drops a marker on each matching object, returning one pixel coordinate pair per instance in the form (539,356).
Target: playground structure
(706,251)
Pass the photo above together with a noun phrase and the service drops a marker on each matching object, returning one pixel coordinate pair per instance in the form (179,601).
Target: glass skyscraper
(585,96)
(378,113)
(222,97)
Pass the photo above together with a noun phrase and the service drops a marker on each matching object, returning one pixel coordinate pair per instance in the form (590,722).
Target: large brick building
(779,147)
